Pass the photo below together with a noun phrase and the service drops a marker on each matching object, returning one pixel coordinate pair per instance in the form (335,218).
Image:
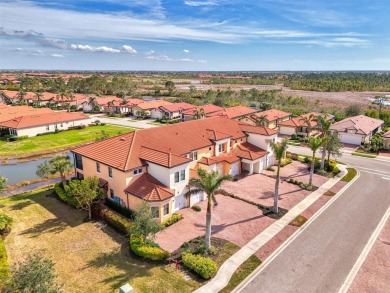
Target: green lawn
(350,175)
(89,257)
(56,142)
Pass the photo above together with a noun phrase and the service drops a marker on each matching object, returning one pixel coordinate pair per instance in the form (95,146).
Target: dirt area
(374,275)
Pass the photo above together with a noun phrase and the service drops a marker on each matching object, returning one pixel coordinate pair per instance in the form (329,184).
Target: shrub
(5,223)
(196,208)
(285,162)
(17,138)
(64,197)
(117,222)
(140,248)
(293,157)
(120,209)
(4,269)
(294,136)
(203,266)
(173,219)
(270,168)
(77,127)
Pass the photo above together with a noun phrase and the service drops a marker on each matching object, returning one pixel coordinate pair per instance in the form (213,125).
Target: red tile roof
(149,105)
(216,135)
(162,158)
(273,114)
(208,109)
(257,129)
(11,112)
(234,112)
(207,161)
(361,124)
(387,134)
(298,122)
(249,151)
(226,157)
(42,119)
(149,188)
(177,107)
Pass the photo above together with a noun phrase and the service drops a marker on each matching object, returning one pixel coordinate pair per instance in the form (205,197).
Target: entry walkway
(227,269)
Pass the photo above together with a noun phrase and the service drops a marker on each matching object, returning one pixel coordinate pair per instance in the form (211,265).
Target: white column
(251,168)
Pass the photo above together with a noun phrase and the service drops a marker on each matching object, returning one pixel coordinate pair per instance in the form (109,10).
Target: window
(47,127)
(62,125)
(193,156)
(110,172)
(155,212)
(137,171)
(209,148)
(166,209)
(79,161)
(235,141)
(98,167)
(176,177)
(182,175)
(112,193)
(221,148)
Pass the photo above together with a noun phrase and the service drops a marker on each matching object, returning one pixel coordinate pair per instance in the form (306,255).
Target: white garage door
(286,130)
(197,197)
(180,202)
(155,114)
(350,138)
(234,170)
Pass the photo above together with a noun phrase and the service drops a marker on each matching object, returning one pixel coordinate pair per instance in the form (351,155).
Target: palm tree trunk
(63,180)
(276,195)
(312,169)
(323,156)
(208,225)
(215,202)
(89,212)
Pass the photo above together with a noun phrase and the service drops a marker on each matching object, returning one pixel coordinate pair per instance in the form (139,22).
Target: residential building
(31,125)
(206,110)
(386,137)
(272,118)
(237,112)
(175,110)
(152,108)
(8,112)
(155,164)
(297,125)
(357,129)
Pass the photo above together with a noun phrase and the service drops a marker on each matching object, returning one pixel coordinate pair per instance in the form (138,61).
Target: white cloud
(186,51)
(200,3)
(93,49)
(128,49)
(57,55)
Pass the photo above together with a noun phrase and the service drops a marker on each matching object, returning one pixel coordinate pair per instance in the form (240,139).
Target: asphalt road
(321,257)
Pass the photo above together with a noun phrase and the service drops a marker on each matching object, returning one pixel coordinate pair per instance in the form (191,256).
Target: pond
(24,170)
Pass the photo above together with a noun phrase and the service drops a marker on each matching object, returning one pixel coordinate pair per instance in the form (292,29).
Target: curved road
(320,258)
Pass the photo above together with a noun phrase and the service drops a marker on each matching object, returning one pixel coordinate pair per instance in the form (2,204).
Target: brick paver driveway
(233,220)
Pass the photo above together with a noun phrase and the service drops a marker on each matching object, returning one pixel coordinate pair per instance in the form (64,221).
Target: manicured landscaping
(329,193)
(298,221)
(58,141)
(363,155)
(350,175)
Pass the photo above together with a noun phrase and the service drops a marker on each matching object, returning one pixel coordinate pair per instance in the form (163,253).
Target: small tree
(5,223)
(376,142)
(35,274)
(170,86)
(352,110)
(314,144)
(199,114)
(3,180)
(144,225)
(262,120)
(307,120)
(333,146)
(43,171)
(60,164)
(381,102)
(84,192)
(324,128)
(279,150)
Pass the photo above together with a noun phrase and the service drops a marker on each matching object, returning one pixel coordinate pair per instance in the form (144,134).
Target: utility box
(126,289)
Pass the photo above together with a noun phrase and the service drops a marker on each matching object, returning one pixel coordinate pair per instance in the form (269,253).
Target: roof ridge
(130,148)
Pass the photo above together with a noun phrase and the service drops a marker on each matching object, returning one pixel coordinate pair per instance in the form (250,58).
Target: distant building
(297,125)
(273,118)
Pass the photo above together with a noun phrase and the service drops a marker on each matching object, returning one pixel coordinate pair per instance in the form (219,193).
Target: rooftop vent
(122,139)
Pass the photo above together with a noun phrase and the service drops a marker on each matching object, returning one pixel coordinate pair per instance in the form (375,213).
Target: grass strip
(350,175)
(363,155)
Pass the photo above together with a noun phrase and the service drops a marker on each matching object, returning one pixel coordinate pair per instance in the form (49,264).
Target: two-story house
(272,118)
(156,164)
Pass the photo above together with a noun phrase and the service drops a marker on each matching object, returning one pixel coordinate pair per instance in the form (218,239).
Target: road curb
(294,236)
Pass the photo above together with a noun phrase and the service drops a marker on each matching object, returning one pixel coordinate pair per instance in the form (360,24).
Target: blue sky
(195,35)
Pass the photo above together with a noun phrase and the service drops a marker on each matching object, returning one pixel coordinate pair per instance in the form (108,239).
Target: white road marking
(359,262)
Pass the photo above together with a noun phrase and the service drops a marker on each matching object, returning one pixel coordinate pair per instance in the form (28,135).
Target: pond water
(24,171)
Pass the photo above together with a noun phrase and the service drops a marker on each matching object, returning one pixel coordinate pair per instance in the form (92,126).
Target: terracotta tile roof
(208,109)
(249,151)
(194,173)
(177,107)
(207,161)
(175,139)
(162,158)
(42,119)
(273,114)
(149,188)
(3,105)
(11,112)
(226,157)
(257,129)
(234,112)
(298,122)
(216,135)
(361,124)
(14,94)
(386,134)
(149,105)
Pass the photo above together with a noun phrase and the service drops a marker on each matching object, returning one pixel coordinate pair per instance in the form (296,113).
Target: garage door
(179,202)
(220,170)
(350,138)
(234,170)
(197,197)
(286,130)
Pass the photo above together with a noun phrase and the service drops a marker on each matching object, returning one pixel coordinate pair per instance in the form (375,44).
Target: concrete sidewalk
(227,269)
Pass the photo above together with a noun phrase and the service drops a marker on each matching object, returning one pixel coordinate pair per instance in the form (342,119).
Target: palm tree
(314,144)
(307,120)
(111,104)
(262,120)
(38,95)
(324,128)
(208,183)
(21,95)
(43,171)
(279,151)
(381,102)
(60,164)
(199,114)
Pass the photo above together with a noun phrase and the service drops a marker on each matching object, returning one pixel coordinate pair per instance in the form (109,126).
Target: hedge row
(120,209)
(203,266)
(143,250)
(4,269)
(117,222)
(173,219)
(64,197)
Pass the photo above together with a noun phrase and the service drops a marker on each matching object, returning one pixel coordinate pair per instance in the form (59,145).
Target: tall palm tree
(60,164)
(111,104)
(314,144)
(307,120)
(262,120)
(325,132)
(199,114)
(279,151)
(208,183)
(381,102)
(21,95)
(38,95)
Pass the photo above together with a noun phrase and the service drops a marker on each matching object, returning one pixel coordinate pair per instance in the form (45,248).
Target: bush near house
(196,208)
(173,219)
(146,250)
(64,197)
(120,224)
(285,162)
(120,209)
(203,266)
